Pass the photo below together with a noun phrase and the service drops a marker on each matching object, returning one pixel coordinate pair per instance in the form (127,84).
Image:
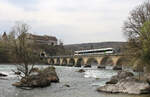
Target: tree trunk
(26,70)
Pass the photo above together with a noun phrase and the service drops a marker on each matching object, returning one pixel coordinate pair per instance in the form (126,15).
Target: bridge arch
(107,61)
(80,61)
(92,61)
(51,62)
(72,62)
(64,61)
(58,61)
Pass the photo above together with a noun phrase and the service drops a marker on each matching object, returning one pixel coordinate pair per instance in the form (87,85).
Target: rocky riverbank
(39,78)
(72,83)
(125,82)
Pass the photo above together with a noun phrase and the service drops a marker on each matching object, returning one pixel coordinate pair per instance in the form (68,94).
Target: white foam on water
(99,73)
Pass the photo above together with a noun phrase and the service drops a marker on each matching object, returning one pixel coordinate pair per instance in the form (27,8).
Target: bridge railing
(66,56)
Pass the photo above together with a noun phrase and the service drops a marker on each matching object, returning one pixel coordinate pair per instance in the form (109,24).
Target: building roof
(45,37)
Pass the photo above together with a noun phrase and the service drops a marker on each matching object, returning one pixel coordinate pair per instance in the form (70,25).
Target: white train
(95,51)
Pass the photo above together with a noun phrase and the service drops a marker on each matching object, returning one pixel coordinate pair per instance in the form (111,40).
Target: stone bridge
(84,60)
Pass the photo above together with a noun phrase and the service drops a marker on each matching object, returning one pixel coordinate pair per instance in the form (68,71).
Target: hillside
(85,46)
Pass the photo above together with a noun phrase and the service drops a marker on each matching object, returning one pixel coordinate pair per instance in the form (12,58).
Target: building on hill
(45,40)
(4,37)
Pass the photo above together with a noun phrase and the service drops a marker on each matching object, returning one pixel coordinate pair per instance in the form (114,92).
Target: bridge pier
(75,61)
(68,59)
(48,61)
(55,61)
(85,64)
(61,61)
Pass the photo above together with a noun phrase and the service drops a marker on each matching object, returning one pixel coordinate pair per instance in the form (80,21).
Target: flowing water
(81,84)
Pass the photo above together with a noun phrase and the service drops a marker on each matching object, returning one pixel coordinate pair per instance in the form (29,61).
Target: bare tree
(22,49)
(136,28)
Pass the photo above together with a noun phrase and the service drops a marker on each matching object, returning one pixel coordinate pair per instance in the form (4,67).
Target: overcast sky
(73,21)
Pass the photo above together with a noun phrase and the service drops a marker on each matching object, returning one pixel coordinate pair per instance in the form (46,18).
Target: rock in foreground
(117,68)
(87,66)
(2,75)
(77,65)
(119,76)
(125,83)
(101,66)
(81,70)
(129,85)
(41,78)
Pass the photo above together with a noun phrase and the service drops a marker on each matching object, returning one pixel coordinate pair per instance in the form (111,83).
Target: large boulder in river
(119,76)
(35,69)
(81,70)
(117,68)
(78,65)
(2,75)
(129,85)
(41,79)
(125,82)
(87,65)
(101,66)
(50,74)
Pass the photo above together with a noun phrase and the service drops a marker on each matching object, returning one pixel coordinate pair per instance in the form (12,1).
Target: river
(81,84)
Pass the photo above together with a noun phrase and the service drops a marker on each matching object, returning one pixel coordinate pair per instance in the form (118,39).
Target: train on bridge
(99,57)
(95,51)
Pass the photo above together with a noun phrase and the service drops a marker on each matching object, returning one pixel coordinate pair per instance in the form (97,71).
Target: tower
(4,37)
